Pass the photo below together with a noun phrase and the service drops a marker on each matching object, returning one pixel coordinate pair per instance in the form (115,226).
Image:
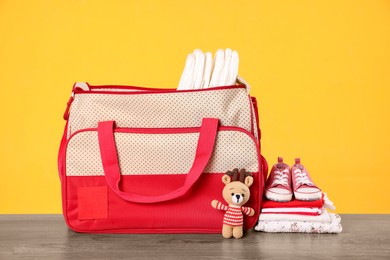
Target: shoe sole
(308,196)
(278,197)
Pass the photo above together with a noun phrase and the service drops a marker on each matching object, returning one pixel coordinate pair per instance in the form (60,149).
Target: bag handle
(109,155)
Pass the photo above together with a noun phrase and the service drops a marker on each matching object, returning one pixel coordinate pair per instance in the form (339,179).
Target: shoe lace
(302,178)
(281,177)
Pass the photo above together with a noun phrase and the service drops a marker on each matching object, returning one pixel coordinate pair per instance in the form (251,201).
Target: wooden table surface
(47,237)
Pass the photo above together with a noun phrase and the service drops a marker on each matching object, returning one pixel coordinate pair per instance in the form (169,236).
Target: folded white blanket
(322,218)
(334,226)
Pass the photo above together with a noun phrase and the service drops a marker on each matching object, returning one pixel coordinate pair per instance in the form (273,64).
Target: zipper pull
(66,113)
(84,86)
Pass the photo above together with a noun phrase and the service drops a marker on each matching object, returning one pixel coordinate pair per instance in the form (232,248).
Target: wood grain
(47,237)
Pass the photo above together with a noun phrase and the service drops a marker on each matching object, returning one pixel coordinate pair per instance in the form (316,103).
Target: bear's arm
(218,205)
(248,211)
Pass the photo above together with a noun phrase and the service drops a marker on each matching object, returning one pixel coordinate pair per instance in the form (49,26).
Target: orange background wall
(320,71)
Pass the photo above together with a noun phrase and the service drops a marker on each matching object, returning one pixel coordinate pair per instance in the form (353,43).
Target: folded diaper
(202,71)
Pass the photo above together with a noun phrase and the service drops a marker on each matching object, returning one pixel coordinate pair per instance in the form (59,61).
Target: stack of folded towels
(304,212)
(299,216)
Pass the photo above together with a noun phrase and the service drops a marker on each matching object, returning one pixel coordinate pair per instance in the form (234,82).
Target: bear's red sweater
(233,216)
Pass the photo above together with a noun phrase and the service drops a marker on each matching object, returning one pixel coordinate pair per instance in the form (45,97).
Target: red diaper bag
(147,160)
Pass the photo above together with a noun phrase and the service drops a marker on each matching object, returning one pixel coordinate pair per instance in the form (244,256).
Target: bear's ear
(248,181)
(226,179)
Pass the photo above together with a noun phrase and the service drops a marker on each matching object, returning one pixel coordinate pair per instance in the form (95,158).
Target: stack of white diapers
(202,71)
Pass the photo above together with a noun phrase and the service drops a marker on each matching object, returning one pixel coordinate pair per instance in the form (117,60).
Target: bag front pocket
(161,151)
(153,188)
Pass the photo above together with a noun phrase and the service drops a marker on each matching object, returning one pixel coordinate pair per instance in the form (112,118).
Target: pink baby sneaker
(278,186)
(303,186)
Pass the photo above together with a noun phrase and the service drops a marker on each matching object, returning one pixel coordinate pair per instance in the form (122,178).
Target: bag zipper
(166,130)
(142,90)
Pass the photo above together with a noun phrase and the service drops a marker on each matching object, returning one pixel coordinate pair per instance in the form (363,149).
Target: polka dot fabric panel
(160,153)
(136,89)
(153,109)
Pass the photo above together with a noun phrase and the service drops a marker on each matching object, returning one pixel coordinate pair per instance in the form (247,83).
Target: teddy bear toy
(236,193)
